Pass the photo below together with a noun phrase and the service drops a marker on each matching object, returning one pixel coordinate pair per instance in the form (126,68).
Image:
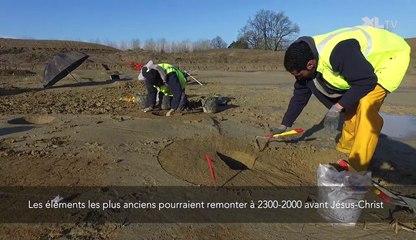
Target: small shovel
(276,136)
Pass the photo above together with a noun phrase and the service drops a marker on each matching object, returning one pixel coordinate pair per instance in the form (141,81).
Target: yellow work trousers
(362,128)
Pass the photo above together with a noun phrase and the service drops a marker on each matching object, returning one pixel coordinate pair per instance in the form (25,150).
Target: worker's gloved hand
(148,109)
(279,130)
(332,119)
(170,112)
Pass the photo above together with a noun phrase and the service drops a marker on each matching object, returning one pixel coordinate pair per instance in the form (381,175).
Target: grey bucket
(141,101)
(166,102)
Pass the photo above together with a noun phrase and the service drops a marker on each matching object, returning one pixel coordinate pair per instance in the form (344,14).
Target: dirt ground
(83,134)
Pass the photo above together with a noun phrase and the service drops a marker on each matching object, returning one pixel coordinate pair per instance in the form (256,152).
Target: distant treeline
(164,46)
(268,30)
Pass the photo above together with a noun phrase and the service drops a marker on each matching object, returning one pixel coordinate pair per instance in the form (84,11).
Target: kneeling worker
(166,81)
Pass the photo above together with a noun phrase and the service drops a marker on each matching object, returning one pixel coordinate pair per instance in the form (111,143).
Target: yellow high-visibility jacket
(382,49)
(168,68)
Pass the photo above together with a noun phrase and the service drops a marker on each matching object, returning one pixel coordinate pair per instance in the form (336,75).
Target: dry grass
(18,54)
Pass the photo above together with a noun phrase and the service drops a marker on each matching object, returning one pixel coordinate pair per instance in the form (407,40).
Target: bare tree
(269,30)
(251,37)
(184,46)
(161,45)
(149,45)
(283,31)
(111,43)
(124,45)
(177,47)
(97,40)
(201,45)
(168,47)
(217,42)
(135,44)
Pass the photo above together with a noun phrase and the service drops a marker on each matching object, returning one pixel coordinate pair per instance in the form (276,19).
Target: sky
(178,20)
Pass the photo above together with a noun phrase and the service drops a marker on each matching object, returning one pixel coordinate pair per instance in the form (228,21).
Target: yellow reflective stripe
(163,89)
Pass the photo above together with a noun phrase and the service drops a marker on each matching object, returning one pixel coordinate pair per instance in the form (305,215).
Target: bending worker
(165,82)
(350,70)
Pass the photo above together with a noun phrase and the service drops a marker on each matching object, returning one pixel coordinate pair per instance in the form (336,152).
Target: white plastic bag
(342,193)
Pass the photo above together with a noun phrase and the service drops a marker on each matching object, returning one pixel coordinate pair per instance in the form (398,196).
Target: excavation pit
(187,160)
(237,160)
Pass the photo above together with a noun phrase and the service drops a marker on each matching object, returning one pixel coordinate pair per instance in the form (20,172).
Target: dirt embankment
(19,54)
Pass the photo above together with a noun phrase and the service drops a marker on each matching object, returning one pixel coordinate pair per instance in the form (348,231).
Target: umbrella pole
(76,80)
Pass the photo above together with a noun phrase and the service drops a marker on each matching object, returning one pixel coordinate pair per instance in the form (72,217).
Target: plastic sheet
(342,191)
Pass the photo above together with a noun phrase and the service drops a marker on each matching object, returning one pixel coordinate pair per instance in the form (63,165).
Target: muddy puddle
(399,126)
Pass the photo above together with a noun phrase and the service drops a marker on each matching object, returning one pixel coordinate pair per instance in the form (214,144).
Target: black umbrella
(61,65)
